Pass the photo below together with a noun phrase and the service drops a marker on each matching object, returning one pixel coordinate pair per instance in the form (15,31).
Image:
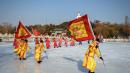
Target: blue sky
(58,11)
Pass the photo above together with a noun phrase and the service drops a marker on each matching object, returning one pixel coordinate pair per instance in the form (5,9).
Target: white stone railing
(116,40)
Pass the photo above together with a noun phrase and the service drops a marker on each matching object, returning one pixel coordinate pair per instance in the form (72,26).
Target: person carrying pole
(24,49)
(89,62)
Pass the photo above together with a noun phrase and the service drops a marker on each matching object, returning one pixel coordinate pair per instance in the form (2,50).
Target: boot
(24,58)
(19,58)
(38,62)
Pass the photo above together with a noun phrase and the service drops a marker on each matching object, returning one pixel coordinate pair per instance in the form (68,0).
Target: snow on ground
(67,59)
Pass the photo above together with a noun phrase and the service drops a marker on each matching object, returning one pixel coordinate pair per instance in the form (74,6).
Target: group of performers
(21,48)
(58,42)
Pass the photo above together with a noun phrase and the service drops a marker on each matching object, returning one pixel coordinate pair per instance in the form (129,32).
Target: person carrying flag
(89,63)
(20,41)
(81,30)
(24,49)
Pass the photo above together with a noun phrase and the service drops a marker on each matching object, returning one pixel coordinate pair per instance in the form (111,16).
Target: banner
(35,31)
(22,32)
(80,29)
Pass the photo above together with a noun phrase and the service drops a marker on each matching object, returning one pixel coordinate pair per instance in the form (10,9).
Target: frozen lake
(67,59)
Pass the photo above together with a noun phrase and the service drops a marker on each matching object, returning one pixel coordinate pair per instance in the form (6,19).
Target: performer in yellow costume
(89,63)
(23,50)
(39,48)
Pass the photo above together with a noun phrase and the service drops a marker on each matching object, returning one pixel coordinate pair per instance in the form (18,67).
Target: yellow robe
(24,50)
(89,62)
(38,51)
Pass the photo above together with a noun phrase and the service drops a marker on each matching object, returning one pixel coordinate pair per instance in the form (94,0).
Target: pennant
(35,32)
(22,32)
(80,29)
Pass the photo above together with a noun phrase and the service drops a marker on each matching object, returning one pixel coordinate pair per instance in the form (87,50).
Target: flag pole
(102,56)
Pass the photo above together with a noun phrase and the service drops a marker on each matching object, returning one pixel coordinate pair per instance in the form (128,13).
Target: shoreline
(31,40)
(116,40)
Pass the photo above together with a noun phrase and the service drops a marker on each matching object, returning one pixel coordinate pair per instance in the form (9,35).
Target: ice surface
(67,59)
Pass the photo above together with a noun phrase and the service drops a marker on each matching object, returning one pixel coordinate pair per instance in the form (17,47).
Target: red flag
(15,42)
(22,32)
(81,29)
(35,32)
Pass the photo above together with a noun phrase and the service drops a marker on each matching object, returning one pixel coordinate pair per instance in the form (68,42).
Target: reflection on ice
(38,68)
